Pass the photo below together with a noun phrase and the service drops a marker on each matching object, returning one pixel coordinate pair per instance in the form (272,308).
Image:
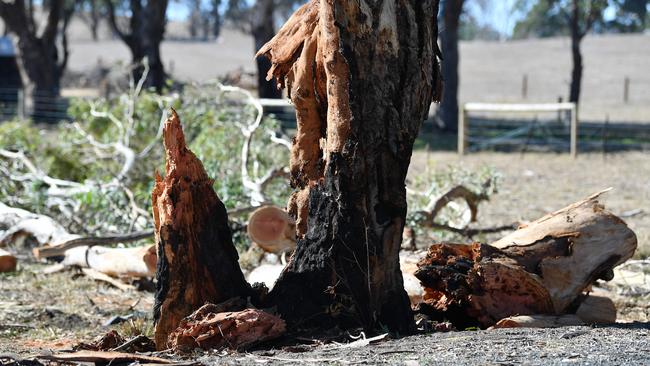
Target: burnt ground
(625,344)
(41,312)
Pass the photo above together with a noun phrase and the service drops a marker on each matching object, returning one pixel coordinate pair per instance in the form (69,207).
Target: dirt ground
(40,312)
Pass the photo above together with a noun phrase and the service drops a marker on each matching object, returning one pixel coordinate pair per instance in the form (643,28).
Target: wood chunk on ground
(544,268)
(208,329)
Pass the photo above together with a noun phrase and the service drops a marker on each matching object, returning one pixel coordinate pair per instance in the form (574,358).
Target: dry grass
(535,184)
(39,311)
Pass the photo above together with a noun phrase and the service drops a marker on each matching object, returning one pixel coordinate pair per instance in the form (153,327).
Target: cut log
(197,262)
(116,262)
(7,261)
(272,229)
(542,268)
(361,78)
(209,328)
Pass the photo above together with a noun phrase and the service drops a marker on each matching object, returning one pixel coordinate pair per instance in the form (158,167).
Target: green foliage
(84,152)
(541,20)
(549,18)
(471,29)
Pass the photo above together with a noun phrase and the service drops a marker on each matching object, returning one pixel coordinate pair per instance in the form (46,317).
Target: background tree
(631,16)
(258,18)
(42,55)
(217,20)
(553,17)
(91,12)
(195,20)
(451,11)
(143,32)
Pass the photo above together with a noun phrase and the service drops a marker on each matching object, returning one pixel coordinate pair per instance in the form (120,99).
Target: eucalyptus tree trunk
(40,61)
(263,30)
(576,55)
(146,31)
(451,11)
(362,76)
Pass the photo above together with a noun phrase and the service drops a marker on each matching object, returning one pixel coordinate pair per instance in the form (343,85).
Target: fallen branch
(115,262)
(58,249)
(102,357)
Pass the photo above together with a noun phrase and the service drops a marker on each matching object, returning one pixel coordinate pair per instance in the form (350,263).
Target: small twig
(129,343)
(470,233)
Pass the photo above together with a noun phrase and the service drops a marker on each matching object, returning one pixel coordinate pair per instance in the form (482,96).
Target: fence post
(626,89)
(462,121)
(574,130)
(20,104)
(524,87)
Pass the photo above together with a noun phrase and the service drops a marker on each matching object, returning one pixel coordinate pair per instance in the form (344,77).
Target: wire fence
(41,107)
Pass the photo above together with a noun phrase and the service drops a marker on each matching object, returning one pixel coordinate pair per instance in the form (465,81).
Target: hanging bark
(197,262)
(361,79)
(543,268)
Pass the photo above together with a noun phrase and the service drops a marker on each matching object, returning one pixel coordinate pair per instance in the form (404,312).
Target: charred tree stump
(361,79)
(544,268)
(197,262)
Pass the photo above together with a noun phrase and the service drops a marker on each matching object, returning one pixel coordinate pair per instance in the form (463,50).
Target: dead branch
(58,249)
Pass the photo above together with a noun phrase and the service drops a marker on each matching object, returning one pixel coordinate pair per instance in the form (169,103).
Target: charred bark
(362,80)
(197,262)
(451,11)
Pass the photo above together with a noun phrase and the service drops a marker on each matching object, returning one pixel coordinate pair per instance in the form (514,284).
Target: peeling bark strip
(361,76)
(197,262)
(543,268)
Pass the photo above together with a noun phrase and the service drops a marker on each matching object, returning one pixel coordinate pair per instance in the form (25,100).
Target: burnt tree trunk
(197,262)
(451,10)
(263,30)
(362,80)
